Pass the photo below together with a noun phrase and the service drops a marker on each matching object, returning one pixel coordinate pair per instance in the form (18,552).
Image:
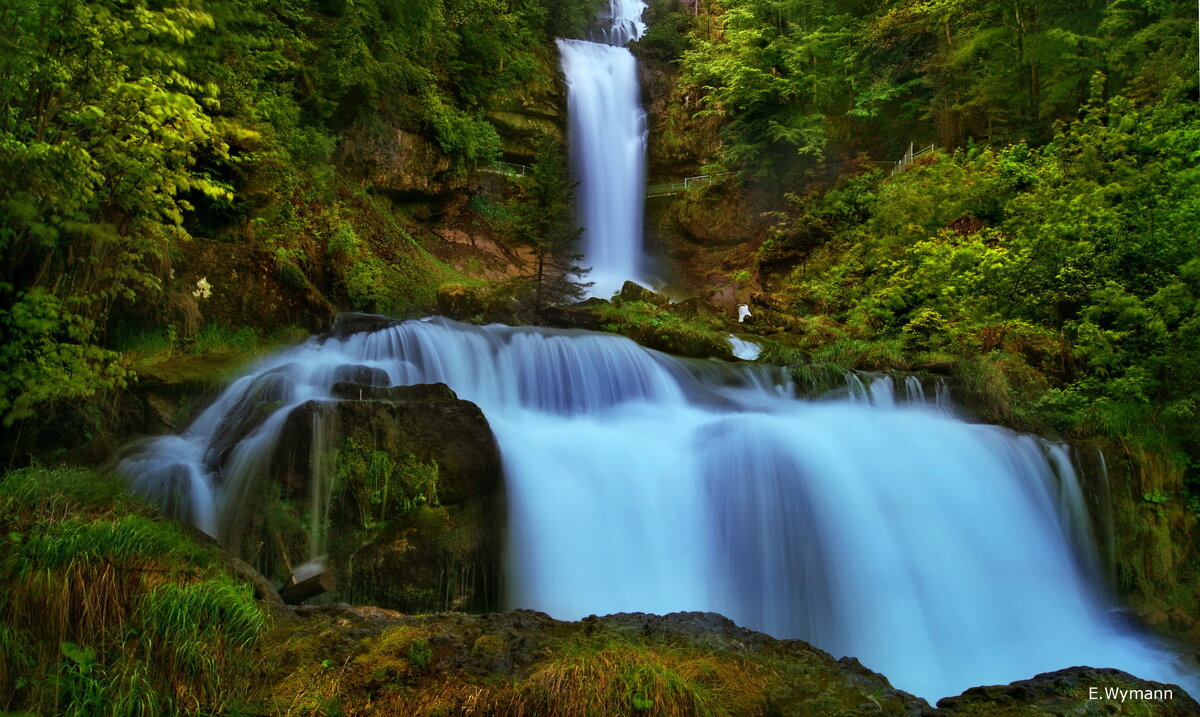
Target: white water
(940,553)
(608,146)
(743,349)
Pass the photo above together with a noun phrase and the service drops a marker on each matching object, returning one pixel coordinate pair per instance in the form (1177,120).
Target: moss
(660,328)
(488,646)
(395,658)
(290,276)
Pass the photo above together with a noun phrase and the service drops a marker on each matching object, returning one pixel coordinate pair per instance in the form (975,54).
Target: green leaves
(99,142)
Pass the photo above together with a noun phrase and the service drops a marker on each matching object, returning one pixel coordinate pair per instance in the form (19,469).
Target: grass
(109,609)
(615,676)
(579,676)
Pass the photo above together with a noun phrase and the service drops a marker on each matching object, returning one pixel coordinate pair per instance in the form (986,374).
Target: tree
(99,137)
(544,221)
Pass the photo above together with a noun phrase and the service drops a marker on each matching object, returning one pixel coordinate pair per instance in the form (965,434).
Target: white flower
(203,289)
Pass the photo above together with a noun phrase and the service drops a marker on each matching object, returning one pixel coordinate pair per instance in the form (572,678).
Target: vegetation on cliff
(129,129)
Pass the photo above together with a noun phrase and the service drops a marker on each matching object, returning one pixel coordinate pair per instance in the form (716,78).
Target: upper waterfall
(607,128)
(621,22)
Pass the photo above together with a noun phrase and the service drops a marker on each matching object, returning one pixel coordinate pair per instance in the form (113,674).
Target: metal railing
(506,168)
(676,186)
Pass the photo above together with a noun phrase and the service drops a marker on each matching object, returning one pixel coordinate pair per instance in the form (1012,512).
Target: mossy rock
(413,508)
(524,663)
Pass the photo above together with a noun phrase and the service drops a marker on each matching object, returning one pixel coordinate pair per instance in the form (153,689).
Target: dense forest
(187,184)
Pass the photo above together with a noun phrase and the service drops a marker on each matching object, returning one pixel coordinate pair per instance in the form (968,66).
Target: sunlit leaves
(99,137)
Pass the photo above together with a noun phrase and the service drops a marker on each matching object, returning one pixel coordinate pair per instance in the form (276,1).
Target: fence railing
(679,185)
(908,158)
(508,168)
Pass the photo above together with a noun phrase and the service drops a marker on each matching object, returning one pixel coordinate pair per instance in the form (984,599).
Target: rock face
(525,663)
(395,160)
(535,109)
(409,502)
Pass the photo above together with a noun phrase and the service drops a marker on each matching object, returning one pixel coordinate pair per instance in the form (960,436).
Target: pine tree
(545,222)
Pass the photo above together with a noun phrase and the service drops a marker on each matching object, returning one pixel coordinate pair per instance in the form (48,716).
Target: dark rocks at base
(749,672)
(1073,691)
(508,648)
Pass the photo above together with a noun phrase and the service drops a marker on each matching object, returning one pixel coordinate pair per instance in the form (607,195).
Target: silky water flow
(941,553)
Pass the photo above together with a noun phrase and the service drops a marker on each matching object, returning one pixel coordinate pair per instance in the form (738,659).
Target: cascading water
(608,146)
(937,552)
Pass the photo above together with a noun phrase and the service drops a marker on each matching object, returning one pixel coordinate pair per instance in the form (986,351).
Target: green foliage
(127,128)
(795,78)
(1066,273)
(99,140)
(51,489)
(667,35)
(383,488)
(215,337)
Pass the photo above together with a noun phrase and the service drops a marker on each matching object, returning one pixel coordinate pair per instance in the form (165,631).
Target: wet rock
(696,308)
(362,375)
(631,291)
(422,392)
(413,493)
(580,315)
(1073,691)
(265,395)
(462,303)
(348,323)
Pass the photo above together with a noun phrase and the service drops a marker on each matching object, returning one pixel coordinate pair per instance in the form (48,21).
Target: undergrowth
(109,609)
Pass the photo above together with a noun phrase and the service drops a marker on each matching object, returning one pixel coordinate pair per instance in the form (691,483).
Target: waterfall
(940,553)
(608,146)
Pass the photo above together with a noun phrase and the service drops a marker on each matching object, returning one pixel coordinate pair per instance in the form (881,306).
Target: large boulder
(525,663)
(400,487)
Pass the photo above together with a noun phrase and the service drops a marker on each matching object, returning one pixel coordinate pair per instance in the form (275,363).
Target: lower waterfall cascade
(875,524)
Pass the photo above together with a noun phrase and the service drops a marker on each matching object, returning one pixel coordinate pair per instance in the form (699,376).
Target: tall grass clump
(624,678)
(109,609)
